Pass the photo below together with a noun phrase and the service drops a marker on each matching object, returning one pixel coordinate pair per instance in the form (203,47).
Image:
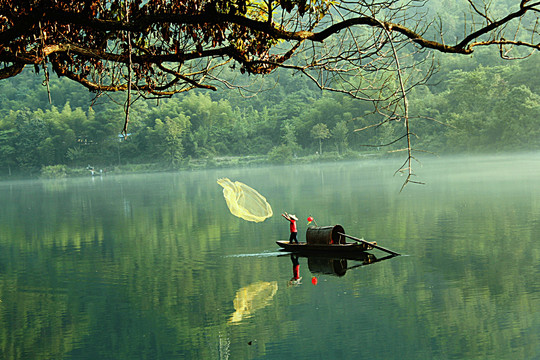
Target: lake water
(155,266)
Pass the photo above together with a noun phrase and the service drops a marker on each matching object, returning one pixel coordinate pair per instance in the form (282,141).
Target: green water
(153,266)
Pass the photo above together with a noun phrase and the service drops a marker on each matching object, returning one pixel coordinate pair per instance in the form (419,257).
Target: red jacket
(293,225)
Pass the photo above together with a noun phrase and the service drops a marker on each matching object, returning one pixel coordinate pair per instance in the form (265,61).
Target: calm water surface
(156,267)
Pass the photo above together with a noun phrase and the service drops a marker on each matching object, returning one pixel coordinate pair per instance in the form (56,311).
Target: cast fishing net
(245,202)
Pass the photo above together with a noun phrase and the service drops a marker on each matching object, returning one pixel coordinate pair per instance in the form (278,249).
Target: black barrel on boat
(325,235)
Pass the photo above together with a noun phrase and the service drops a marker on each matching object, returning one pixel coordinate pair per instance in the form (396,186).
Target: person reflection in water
(294,230)
(295,280)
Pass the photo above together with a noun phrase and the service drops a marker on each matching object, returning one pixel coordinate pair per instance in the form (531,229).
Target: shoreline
(218,162)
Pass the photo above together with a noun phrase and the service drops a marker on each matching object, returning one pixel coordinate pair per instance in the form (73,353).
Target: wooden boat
(346,248)
(331,239)
(326,239)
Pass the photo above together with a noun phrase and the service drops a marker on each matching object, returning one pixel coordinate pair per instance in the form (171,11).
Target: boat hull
(346,248)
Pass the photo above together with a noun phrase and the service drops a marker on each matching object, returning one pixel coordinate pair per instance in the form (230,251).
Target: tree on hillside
(169,137)
(368,49)
(320,132)
(339,133)
(7,148)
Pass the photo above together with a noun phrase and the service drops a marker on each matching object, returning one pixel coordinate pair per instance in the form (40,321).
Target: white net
(245,202)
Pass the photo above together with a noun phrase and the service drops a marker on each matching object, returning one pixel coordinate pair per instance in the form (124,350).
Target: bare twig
(408,166)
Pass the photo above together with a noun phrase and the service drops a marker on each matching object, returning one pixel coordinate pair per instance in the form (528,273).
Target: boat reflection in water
(252,298)
(333,264)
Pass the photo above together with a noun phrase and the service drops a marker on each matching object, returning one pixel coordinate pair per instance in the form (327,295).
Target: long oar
(370,244)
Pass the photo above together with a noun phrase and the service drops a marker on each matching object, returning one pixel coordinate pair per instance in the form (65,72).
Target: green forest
(472,104)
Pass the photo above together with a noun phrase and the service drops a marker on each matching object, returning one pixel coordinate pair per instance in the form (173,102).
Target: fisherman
(294,231)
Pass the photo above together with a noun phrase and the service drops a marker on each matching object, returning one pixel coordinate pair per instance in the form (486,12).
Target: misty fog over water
(154,266)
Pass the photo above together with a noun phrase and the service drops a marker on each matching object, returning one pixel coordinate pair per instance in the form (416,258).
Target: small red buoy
(314,280)
(310,219)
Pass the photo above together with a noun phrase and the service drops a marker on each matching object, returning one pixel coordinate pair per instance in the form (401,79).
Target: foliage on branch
(170,46)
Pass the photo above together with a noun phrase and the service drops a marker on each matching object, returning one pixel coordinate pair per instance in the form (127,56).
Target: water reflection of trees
(472,277)
(153,261)
(94,255)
